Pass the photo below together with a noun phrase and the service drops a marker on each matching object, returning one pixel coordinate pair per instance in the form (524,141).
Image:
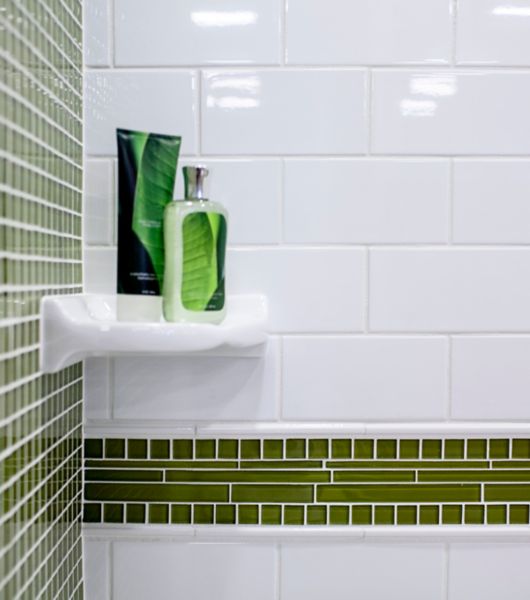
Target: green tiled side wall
(40,254)
(325,481)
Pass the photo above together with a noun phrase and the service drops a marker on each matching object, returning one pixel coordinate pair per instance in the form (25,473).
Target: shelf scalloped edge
(79,326)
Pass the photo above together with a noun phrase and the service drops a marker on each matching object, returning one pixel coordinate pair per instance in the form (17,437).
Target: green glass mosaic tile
(519,515)
(164,464)
(406,464)
(361,515)
(93,448)
(225,514)
(339,515)
(499,448)
(272,493)
(203,514)
(113,513)
(92,513)
(275,476)
(369,475)
(250,449)
(406,515)
(293,515)
(384,515)
(281,464)
(228,449)
(341,448)
(183,449)
(273,449)
(318,449)
(271,514)
(295,449)
(156,492)
(454,449)
(511,464)
(136,449)
(125,475)
(158,513)
(248,514)
(429,515)
(316,515)
(497,514)
(181,514)
(204,448)
(477,449)
(451,515)
(397,493)
(386,448)
(409,449)
(135,513)
(431,449)
(114,448)
(159,449)
(474,514)
(508,493)
(521,449)
(363,448)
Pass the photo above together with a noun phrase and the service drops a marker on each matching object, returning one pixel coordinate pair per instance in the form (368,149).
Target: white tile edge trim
(266,533)
(154,429)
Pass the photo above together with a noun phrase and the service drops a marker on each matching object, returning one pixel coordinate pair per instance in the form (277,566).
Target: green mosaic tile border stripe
(301,481)
(40,254)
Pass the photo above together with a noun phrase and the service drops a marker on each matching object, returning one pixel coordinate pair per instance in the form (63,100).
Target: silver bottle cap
(194,177)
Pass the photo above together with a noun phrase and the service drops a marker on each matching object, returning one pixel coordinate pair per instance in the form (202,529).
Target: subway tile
(96,28)
(366,376)
(96,389)
(272,493)
(398,493)
(491,32)
(431,112)
(488,571)
(383,32)
(490,378)
(187,33)
(99,200)
(156,101)
(199,389)
(100,270)
(490,202)
(96,560)
(156,492)
(250,189)
(366,201)
(299,301)
(284,112)
(342,571)
(165,570)
(449,290)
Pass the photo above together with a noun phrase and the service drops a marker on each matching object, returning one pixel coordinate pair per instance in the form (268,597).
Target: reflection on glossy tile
(474,112)
(275,112)
(99,199)
(96,27)
(380,32)
(188,32)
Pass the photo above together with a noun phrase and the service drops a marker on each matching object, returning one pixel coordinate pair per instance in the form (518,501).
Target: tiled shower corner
(308,481)
(41,251)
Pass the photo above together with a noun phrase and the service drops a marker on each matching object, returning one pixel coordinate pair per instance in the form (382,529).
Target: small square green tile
(182,449)
(474,514)
(477,449)
(341,448)
(158,513)
(113,513)
(114,448)
(519,514)
(225,514)
(451,514)
(295,448)
(318,448)
(135,513)
(431,449)
(386,448)
(159,449)
(250,449)
(339,515)
(454,449)
(521,448)
(271,514)
(92,513)
(293,515)
(273,449)
(137,449)
(204,448)
(409,449)
(203,514)
(248,514)
(361,515)
(316,515)
(363,449)
(227,449)
(499,448)
(497,514)
(180,513)
(406,515)
(93,448)
(429,515)
(384,515)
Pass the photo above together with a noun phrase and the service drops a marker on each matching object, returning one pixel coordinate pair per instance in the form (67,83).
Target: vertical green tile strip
(40,238)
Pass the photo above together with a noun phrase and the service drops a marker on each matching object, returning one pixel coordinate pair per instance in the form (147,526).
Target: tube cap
(194,176)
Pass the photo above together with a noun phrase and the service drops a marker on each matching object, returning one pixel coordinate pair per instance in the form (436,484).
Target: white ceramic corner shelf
(78,326)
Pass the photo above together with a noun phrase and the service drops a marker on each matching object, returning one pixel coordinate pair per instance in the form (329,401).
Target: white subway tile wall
(375,160)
